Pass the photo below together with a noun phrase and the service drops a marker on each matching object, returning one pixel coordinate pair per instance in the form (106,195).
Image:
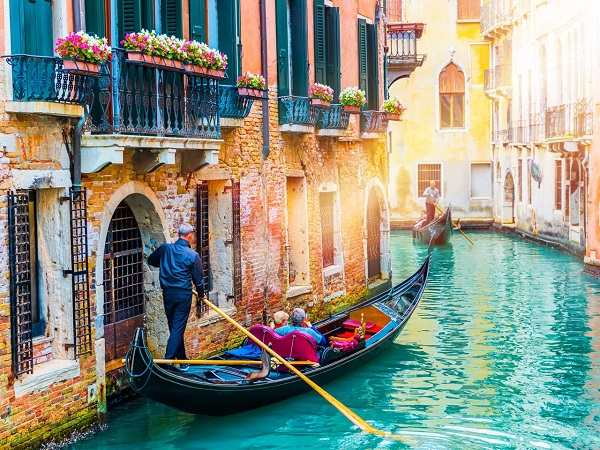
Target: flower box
(320,103)
(195,69)
(393,116)
(154,61)
(81,67)
(351,109)
(250,92)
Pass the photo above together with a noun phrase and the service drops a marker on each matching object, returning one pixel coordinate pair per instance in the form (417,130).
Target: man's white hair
(185,229)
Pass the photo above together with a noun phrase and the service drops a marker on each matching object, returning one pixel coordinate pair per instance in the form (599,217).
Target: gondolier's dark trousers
(178,303)
(430,209)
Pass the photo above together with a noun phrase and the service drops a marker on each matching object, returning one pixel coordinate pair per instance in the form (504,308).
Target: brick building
(289,200)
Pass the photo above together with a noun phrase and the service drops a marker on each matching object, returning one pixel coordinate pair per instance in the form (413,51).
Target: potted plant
(352,99)
(83,53)
(251,85)
(393,108)
(321,95)
(203,60)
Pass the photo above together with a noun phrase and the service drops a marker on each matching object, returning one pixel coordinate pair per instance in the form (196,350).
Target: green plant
(393,105)
(353,96)
(251,81)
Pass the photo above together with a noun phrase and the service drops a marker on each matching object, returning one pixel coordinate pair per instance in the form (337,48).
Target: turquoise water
(503,352)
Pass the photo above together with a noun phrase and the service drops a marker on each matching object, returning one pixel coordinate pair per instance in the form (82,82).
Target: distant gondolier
(432,196)
(179,267)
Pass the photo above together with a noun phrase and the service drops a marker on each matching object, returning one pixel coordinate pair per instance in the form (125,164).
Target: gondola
(219,390)
(437,232)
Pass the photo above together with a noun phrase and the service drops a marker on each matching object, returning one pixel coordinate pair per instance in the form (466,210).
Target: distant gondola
(437,232)
(220,390)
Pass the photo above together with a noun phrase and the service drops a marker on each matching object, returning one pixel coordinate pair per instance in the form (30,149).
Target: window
(27,15)
(558,184)
(326,200)
(394,10)
(368,79)
(468,9)
(481,180)
(567,189)
(327,45)
(227,31)
(529,184)
(297,236)
(452,97)
(426,174)
(292,49)
(520,179)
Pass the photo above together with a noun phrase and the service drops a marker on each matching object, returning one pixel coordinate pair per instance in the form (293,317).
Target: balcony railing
(295,110)
(42,79)
(495,14)
(233,106)
(520,133)
(498,78)
(130,98)
(373,122)
(573,120)
(333,117)
(402,44)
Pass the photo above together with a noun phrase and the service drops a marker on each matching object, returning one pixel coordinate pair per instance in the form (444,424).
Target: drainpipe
(265,73)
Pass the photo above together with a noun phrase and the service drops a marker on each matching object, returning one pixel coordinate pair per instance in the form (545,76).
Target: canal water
(503,352)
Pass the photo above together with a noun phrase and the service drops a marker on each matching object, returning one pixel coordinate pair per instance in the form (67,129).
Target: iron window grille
(326,200)
(237,244)
(202,238)
(427,173)
(20,282)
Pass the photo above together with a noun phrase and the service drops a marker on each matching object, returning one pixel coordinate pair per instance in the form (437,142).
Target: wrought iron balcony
(373,122)
(42,79)
(401,49)
(333,117)
(231,105)
(496,17)
(573,120)
(296,111)
(498,80)
(130,98)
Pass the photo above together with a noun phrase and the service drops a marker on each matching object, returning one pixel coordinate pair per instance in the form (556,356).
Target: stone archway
(376,232)
(508,206)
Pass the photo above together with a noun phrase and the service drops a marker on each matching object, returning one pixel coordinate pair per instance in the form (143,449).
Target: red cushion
(352,324)
(295,345)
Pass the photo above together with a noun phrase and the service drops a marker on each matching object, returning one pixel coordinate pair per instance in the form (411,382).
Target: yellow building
(445,131)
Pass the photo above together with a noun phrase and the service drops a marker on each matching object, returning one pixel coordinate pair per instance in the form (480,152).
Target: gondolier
(432,196)
(179,267)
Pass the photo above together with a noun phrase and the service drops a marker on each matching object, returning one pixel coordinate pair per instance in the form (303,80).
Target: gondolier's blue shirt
(179,266)
(319,338)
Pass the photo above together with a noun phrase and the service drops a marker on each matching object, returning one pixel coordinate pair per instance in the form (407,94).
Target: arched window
(452,97)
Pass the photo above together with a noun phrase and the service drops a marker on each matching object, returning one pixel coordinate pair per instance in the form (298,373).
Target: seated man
(298,317)
(280,319)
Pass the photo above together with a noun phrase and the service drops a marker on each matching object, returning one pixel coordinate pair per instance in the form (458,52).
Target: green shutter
(130,19)
(373,67)
(95,17)
(332,27)
(198,20)
(299,30)
(320,41)
(31,27)
(229,36)
(362,56)
(171,17)
(283,56)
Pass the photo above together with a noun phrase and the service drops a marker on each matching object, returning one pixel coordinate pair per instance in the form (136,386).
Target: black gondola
(437,232)
(218,390)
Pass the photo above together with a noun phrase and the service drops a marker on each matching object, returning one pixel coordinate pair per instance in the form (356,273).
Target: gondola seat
(293,346)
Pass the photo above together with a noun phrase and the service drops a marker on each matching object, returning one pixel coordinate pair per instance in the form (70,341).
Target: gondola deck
(218,390)
(437,232)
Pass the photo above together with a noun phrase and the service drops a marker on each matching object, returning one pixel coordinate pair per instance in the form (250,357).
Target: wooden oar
(458,228)
(347,412)
(225,362)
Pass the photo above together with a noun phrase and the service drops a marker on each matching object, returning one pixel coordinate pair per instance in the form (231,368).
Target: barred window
(452,97)
(468,10)
(426,174)
(520,180)
(326,200)
(558,184)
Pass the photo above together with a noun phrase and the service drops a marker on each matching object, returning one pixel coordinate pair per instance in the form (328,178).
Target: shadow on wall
(405,203)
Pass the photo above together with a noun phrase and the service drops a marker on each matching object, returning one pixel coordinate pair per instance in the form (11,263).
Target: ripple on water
(501,353)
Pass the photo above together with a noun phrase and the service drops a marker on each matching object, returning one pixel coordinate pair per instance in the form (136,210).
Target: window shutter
(27,15)
(283,56)
(130,18)
(299,30)
(373,67)
(95,17)
(197,20)
(202,237)
(362,56)
(228,17)
(171,17)
(332,19)
(320,41)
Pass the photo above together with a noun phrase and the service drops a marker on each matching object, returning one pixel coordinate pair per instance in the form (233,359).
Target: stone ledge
(333,296)
(158,142)
(331,132)
(45,375)
(332,270)
(45,108)
(372,136)
(293,128)
(40,179)
(228,122)
(295,291)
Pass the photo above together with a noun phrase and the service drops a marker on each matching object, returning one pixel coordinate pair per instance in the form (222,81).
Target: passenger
(298,318)
(422,221)
(280,319)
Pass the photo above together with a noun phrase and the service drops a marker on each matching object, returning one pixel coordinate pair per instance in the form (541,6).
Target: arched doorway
(508,210)
(123,281)
(373,235)
(574,193)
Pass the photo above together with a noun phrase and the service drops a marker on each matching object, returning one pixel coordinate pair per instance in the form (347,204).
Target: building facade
(540,84)
(444,134)
(289,201)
